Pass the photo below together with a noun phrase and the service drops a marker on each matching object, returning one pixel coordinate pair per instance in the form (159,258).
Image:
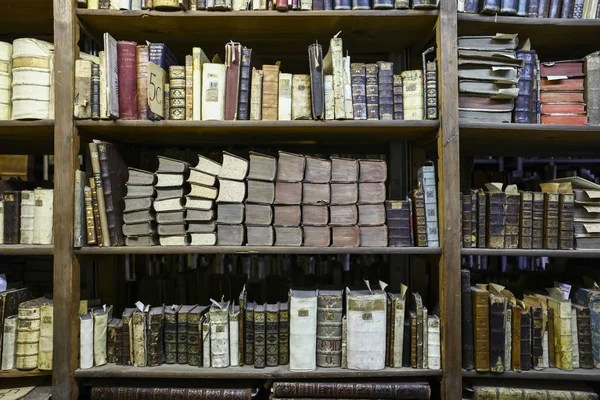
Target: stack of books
(260,196)
(487,76)
(289,191)
(138,216)
(316,189)
(337,390)
(577,9)
(371,197)
(199,203)
(562,86)
(26,217)
(230,207)
(170,178)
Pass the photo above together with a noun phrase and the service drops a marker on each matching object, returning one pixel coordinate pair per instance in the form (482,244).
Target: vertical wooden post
(449,188)
(66,148)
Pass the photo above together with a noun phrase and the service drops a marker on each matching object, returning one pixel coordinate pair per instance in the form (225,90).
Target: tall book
(412,84)
(333,65)
(467,321)
(233,59)
(426,177)
(537,231)
(260,343)
(272,335)
(155,336)
(284,334)
(213,91)
(317,88)
(46,336)
(99,186)
(26,224)
(249,333)
(551,220)
(481,324)
(101,317)
(256,95)
(270,92)
(512,207)
(496,214)
(584,336)
(219,334)
(127,70)
(397,303)
(12,216)
(329,328)
(303,330)
(359,91)
(372,91)
(563,339)
(386,94)
(28,334)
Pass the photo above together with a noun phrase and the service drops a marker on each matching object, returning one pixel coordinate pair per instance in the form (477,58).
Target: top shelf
(552,38)
(26,18)
(267,32)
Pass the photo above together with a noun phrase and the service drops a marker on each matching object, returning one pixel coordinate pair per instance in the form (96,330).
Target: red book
(561,97)
(484,103)
(562,109)
(126,60)
(233,57)
(564,119)
(569,69)
(562,84)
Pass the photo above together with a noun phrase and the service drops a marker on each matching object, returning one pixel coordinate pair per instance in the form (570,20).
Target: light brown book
(315,215)
(343,215)
(371,193)
(481,324)
(372,171)
(371,214)
(290,167)
(286,215)
(230,235)
(344,193)
(89,217)
(374,236)
(288,236)
(316,193)
(189,88)
(83,89)
(317,236)
(516,337)
(344,170)
(317,170)
(270,92)
(230,213)
(259,214)
(260,192)
(301,97)
(260,235)
(288,193)
(345,236)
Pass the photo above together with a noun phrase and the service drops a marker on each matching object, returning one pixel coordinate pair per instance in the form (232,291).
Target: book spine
(543,8)
(43,211)
(524,101)
(412,82)
(89,217)
(490,6)
(386,94)
(234,340)
(467,321)
(12,217)
(526,221)
(143,57)
(206,343)
(511,230)
(537,336)
(348,107)
(397,333)
(563,336)
(496,220)
(584,338)
(525,341)
(27,216)
(301,97)
(431,89)
(177,89)
(420,228)
(574,337)
(537,232)
(523,8)
(256,95)
(219,338)
(86,342)
(551,220)
(126,53)
(433,343)
(189,88)
(426,176)
(111,344)
(508,7)
(566,210)
(127,335)
(193,340)
(568,8)
(497,334)
(83,86)
(471,6)
(284,335)
(551,339)
(270,93)
(243,111)
(96,213)
(467,221)
(508,339)
(170,335)
(272,336)
(99,188)
(9,343)
(413,340)
(481,318)
(407,343)
(398,102)
(249,337)
(95,102)
(341,5)
(329,97)
(114,230)
(260,337)
(329,330)
(46,335)
(555,9)
(182,338)
(372,89)
(303,327)
(284,107)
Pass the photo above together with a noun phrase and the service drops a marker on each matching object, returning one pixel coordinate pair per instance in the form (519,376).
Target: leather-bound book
(372,170)
(344,193)
(317,170)
(233,56)
(467,221)
(333,64)
(578,9)
(12,217)
(575,340)
(89,218)
(551,220)
(316,236)
(288,236)
(467,320)
(26,223)
(497,332)
(271,335)
(424,5)
(537,335)
(397,92)
(126,53)
(249,333)
(171,393)
(481,317)
(127,318)
(361,4)
(551,339)
(590,298)
(412,82)
(584,336)
(142,59)
(420,225)
(372,91)
(83,87)
(525,340)
(170,333)
(399,220)
(568,7)
(592,87)
(177,89)
(182,333)
(284,334)
(359,95)
(413,339)
(317,89)
(406,342)
(270,92)
(262,167)
(189,88)
(156,355)
(490,6)
(219,335)
(431,90)
(243,106)
(259,214)
(329,328)
(524,101)
(230,213)
(193,334)
(315,193)
(114,327)
(537,232)
(260,235)
(371,214)
(114,174)
(523,8)
(345,236)
(526,220)
(512,210)
(386,94)
(286,215)
(336,390)
(563,339)
(28,334)
(230,235)
(566,206)
(341,5)
(496,219)
(419,310)
(555,8)
(256,95)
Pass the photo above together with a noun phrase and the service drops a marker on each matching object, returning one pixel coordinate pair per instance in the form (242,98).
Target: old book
(171,217)
(28,334)
(86,341)
(288,236)
(27,211)
(347,87)
(468,239)
(219,334)
(288,193)
(233,167)
(317,170)
(563,339)
(262,167)
(372,170)
(420,224)
(101,317)
(256,95)
(234,344)
(399,222)
(537,232)
(365,311)
(526,221)
(345,236)
(193,203)
(233,58)
(303,330)
(201,178)
(290,167)
(230,213)
(525,338)
(316,236)
(566,205)
(12,216)
(249,333)
(300,98)
(329,97)
(412,83)
(467,321)
(46,336)
(397,303)
(315,215)
(127,333)
(344,170)
(590,298)
(192,215)
(230,235)
(372,90)
(317,89)
(315,193)
(260,192)
(270,92)
(574,339)
(497,312)
(418,331)
(284,333)
(142,59)
(496,228)
(182,332)
(133,191)
(155,336)
(177,89)
(431,89)
(343,215)
(426,177)
(243,107)
(202,238)
(512,202)
(169,393)
(329,328)
(369,214)
(259,214)
(386,94)
(286,215)
(201,192)
(132,204)
(350,390)
(207,166)
(284,108)
(127,90)
(551,220)
(584,336)
(371,193)
(270,332)
(231,191)
(213,91)
(167,205)
(83,87)
(592,87)
(9,343)
(433,333)
(170,333)
(139,337)
(169,180)
(359,91)
(481,312)
(344,193)
(333,65)
(398,95)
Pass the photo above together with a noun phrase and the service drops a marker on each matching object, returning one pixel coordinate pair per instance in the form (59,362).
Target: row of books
(577,9)
(310,331)
(116,86)
(26,324)
(26,216)
(26,79)
(279,390)
(543,330)
(500,82)
(241,5)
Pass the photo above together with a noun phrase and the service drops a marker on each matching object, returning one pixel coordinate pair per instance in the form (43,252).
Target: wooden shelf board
(524,139)
(15,373)
(552,38)
(255,250)
(271,132)
(26,250)
(269,33)
(531,253)
(579,374)
(26,18)
(246,372)
(27,137)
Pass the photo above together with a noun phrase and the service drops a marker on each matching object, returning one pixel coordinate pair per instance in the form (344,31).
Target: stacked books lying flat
(26,324)
(26,216)
(513,219)
(315,329)
(578,9)
(533,390)
(239,5)
(543,330)
(26,80)
(499,82)
(294,200)
(117,86)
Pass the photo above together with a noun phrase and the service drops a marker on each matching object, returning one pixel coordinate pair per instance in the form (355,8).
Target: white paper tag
(140,305)
(156,89)
(565,289)
(592,228)
(593,194)
(557,77)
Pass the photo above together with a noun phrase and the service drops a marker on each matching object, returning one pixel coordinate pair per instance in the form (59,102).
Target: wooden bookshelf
(245,372)
(578,374)
(15,373)
(531,253)
(26,250)
(27,137)
(257,250)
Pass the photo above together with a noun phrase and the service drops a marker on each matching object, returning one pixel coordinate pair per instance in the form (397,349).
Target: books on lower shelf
(527,390)
(574,9)
(314,329)
(26,217)
(291,200)
(242,88)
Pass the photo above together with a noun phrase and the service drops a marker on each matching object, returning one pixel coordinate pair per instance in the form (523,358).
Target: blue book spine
(471,6)
(342,5)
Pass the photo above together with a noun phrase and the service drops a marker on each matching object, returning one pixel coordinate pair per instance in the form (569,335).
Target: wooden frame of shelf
(27,137)
(26,250)
(257,250)
(15,373)
(579,374)
(531,253)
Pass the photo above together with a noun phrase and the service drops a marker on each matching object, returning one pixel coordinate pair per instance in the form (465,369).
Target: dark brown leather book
(142,59)
(156,354)
(516,312)
(317,89)
(467,221)
(420,225)
(511,230)
(233,57)
(537,336)
(551,220)
(584,336)
(127,318)
(12,217)
(288,236)
(127,63)
(398,96)
(406,344)
(329,328)
(352,390)
(419,309)
(243,107)
(122,393)
(315,215)
(359,91)
(260,343)
(372,90)
(182,333)
(372,170)
(317,170)
(345,236)
(386,93)
(272,335)
(343,215)
(370,214)
(371,193)
(316,193)
(114,174)
(284,334)
(570,69)
(537,232)
(481,219)
(344,170)
(288,193)
(566,209)
(481,317)
(170,333)
(111,341)
(526,221)
(413,339)
(343,193)
(496,219)
(497,332)
(467,320)
(290,167)
(525,340)
(249,334)
(286,215)
(399,222)
(316,236)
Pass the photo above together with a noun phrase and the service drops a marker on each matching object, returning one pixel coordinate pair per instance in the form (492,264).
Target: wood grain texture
(449,188)
(27,137)
(26,18)
(66,148)
(15,373)
(26,250)
(255,250)
(245,372)
(531,253)
(546,374)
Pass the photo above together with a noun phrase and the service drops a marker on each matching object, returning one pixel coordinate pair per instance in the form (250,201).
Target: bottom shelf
(245,372)
(17,373)
(579,374)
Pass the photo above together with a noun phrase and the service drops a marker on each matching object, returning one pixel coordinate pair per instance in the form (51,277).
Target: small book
(199,215)
(139,190)
(261,192)
(168,230)
(139,229)
(288,236)
(233,167)
(176,240)
(201,178)
(259,214)
(231,191)
(171,166)
(198,203)
(344,193)
(260,235)
(286,215)
(262,167)
(290,167)
(134,204)
(168,205)
(201,227)
(230,235)
(371,193)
